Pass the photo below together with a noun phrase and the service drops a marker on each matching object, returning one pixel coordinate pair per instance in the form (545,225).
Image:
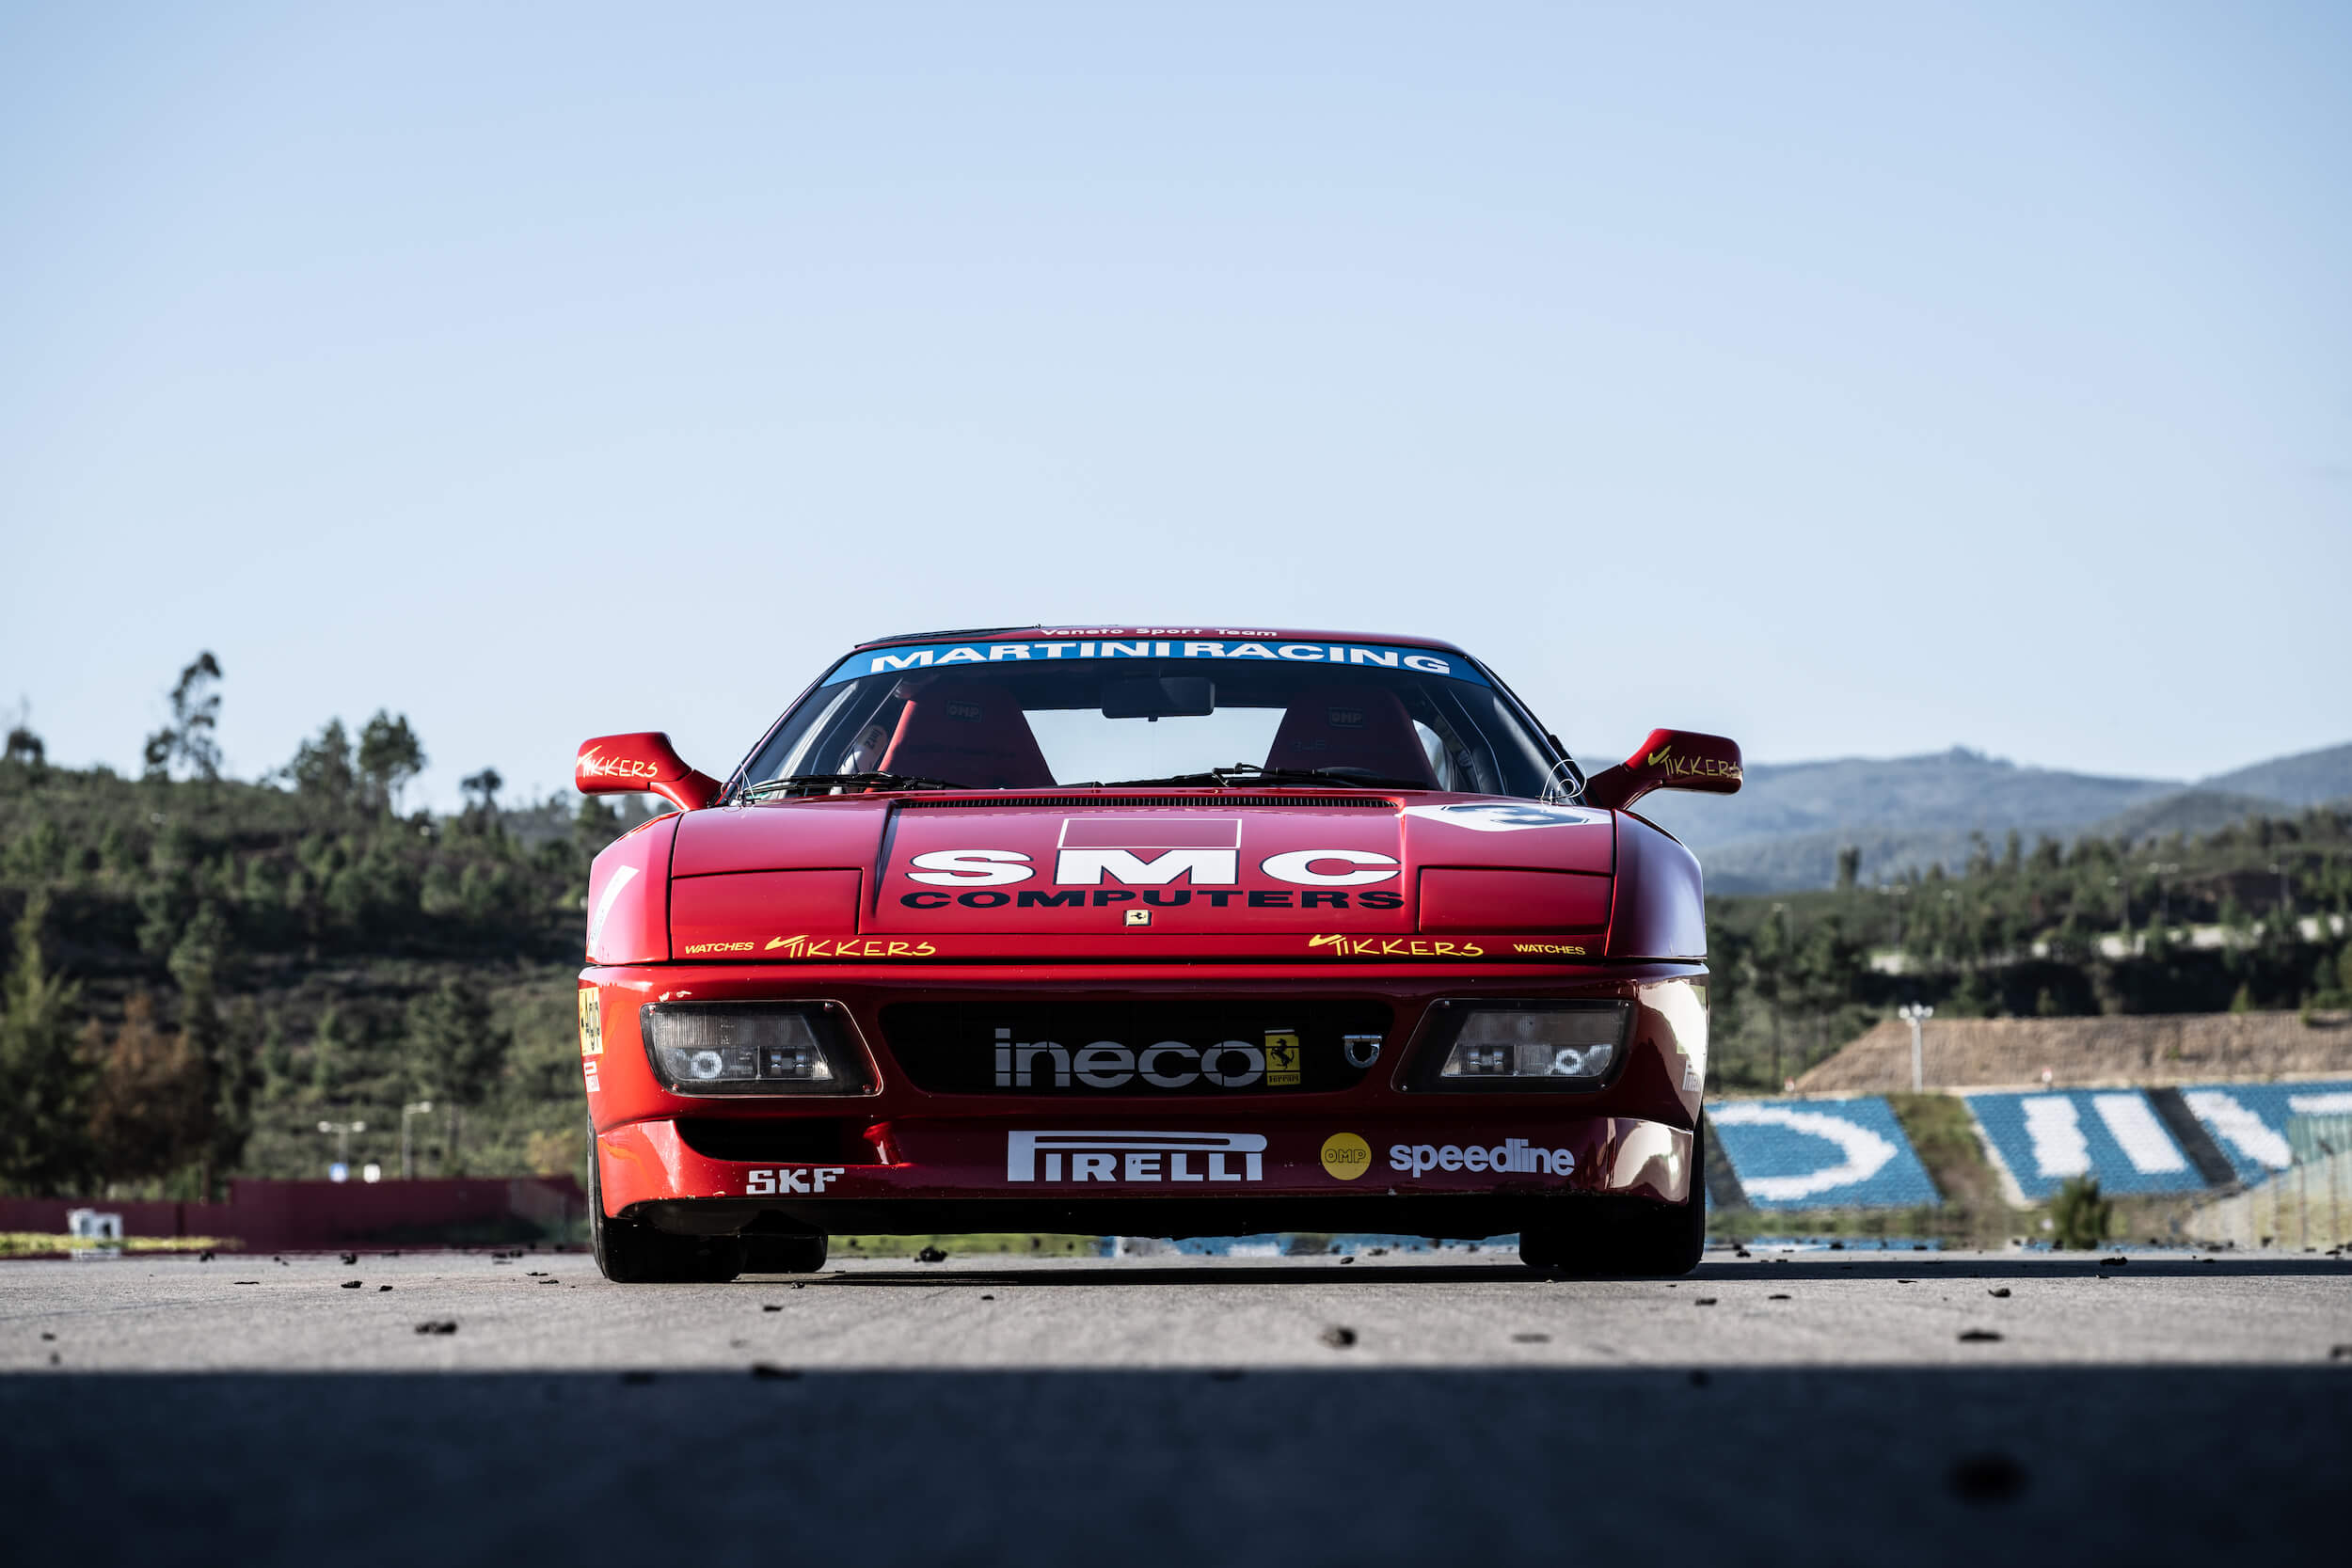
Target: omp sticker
(1346,1156)
(1352,656)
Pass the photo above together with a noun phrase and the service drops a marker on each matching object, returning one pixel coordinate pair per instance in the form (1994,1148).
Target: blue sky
(1849,379)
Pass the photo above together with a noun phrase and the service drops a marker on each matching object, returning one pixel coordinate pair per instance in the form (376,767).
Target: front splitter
(1095,1169)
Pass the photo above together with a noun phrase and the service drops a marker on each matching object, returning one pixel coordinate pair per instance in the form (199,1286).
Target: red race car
(1005,931)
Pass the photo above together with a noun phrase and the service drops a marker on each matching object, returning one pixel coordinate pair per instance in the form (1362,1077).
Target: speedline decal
(1352,656)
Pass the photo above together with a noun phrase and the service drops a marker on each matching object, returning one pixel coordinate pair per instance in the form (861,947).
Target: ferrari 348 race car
(1153,931)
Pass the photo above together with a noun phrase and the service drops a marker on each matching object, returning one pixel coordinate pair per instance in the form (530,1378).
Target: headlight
(752,1048)
(1532,1045)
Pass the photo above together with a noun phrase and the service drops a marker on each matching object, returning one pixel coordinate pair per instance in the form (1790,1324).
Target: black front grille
(1379,802)
(1133,1050)
(787,1140)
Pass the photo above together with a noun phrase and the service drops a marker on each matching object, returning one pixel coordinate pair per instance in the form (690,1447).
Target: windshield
(1156,712)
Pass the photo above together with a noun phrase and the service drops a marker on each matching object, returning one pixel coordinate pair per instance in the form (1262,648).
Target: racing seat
(968,734)
(1351,726)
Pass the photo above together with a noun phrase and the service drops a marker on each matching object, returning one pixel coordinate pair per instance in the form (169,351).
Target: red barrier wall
(299,1216)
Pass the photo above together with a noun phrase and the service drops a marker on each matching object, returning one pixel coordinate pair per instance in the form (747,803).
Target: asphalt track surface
(1824,1408)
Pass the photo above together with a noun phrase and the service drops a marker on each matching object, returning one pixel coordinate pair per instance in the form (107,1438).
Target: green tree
(190,738)
(1770,979)
(276,1061)
(389,757)
(482,802)
(331,1063)
(455,1049)
(44,1149)
(322,770)
(26,751)
(150,1114)
(2079,1218)
(223,1057)
(1848,866)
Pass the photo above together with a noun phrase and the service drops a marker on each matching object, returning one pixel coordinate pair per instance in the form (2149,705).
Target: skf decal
(1135,1157)
(844,947)
(768,1183)
(1394,947)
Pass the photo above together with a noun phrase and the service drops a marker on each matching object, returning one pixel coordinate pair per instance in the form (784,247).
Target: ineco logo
(1169,1065)
(1511,1157)
(1124,1157)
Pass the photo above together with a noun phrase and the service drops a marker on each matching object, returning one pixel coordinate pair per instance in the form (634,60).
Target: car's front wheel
(1623,1237)
(630,1253)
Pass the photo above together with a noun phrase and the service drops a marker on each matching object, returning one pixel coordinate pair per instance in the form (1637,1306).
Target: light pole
(1914,1014)
(408,1161)
(342,1130)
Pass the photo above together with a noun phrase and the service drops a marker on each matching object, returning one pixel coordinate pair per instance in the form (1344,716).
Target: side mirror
(1669,759)
(627,764)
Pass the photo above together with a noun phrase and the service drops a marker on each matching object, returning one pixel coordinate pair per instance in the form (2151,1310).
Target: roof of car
(1257,634)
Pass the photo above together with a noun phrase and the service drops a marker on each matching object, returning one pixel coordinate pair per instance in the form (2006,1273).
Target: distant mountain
(1783,831)
(2188,811)
(2310,779)
(1951,792)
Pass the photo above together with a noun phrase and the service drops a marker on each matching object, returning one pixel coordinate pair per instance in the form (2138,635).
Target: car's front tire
(630,1253)
(1623,1237)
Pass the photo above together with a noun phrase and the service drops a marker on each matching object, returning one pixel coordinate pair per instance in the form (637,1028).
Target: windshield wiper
(1344,778)
(810,784)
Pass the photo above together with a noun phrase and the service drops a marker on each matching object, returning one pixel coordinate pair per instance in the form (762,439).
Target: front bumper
(1375,1156)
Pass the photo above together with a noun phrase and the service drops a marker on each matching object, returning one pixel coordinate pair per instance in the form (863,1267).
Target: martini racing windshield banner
(1352,656)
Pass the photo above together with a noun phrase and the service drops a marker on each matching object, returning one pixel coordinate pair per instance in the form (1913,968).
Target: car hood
(1141,875)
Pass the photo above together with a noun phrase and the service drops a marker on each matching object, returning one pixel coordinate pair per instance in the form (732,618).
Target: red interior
(967,734)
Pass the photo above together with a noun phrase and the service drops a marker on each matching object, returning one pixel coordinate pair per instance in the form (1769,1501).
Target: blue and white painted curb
(2249,1122)
(2040,1140)
(1820,1154)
